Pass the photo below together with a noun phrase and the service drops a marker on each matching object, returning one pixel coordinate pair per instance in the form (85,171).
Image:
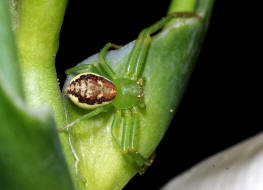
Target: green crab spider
(102,89)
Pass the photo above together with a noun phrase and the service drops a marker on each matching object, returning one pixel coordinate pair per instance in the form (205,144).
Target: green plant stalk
(168,66)
(37,25)
(37,36)
(182,6)
(30,155)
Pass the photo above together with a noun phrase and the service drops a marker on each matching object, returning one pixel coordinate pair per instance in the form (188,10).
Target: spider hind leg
(129,139)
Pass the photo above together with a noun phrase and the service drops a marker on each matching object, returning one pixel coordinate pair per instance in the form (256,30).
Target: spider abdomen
(89,90)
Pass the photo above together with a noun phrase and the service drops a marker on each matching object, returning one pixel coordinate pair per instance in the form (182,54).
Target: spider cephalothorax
(102,89)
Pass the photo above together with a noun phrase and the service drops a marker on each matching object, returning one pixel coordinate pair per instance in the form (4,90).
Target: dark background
(218,109)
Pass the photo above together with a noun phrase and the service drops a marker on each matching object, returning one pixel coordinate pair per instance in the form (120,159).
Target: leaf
(30,153)
(169,63)
(9,69)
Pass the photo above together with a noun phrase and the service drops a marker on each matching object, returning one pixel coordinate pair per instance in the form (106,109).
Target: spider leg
(115,124)
(134,137)
(122,144)
(87,116)
(129,140)
(92,68)
(83,69)
(102,61)
(139,52)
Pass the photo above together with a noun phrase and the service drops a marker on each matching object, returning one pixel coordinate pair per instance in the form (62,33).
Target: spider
(101,89)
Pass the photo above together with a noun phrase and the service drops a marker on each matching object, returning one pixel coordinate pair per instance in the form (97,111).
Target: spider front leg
(139,52)
(102,61)
(103,69)
(85,68)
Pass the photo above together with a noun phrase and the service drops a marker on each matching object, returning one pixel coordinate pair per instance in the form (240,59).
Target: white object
(238,168)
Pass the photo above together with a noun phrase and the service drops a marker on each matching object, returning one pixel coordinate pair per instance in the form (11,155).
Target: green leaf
(30,154)
(9,69)
(170,61)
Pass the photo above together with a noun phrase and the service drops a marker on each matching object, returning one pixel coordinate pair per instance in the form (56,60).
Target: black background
(218,109)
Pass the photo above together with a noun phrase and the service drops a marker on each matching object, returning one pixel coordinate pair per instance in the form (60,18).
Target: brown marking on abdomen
(95,91)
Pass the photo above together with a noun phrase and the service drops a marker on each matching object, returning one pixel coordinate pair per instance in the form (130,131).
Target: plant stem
(182,6)
(37,39)
(37,35)
(30,155)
